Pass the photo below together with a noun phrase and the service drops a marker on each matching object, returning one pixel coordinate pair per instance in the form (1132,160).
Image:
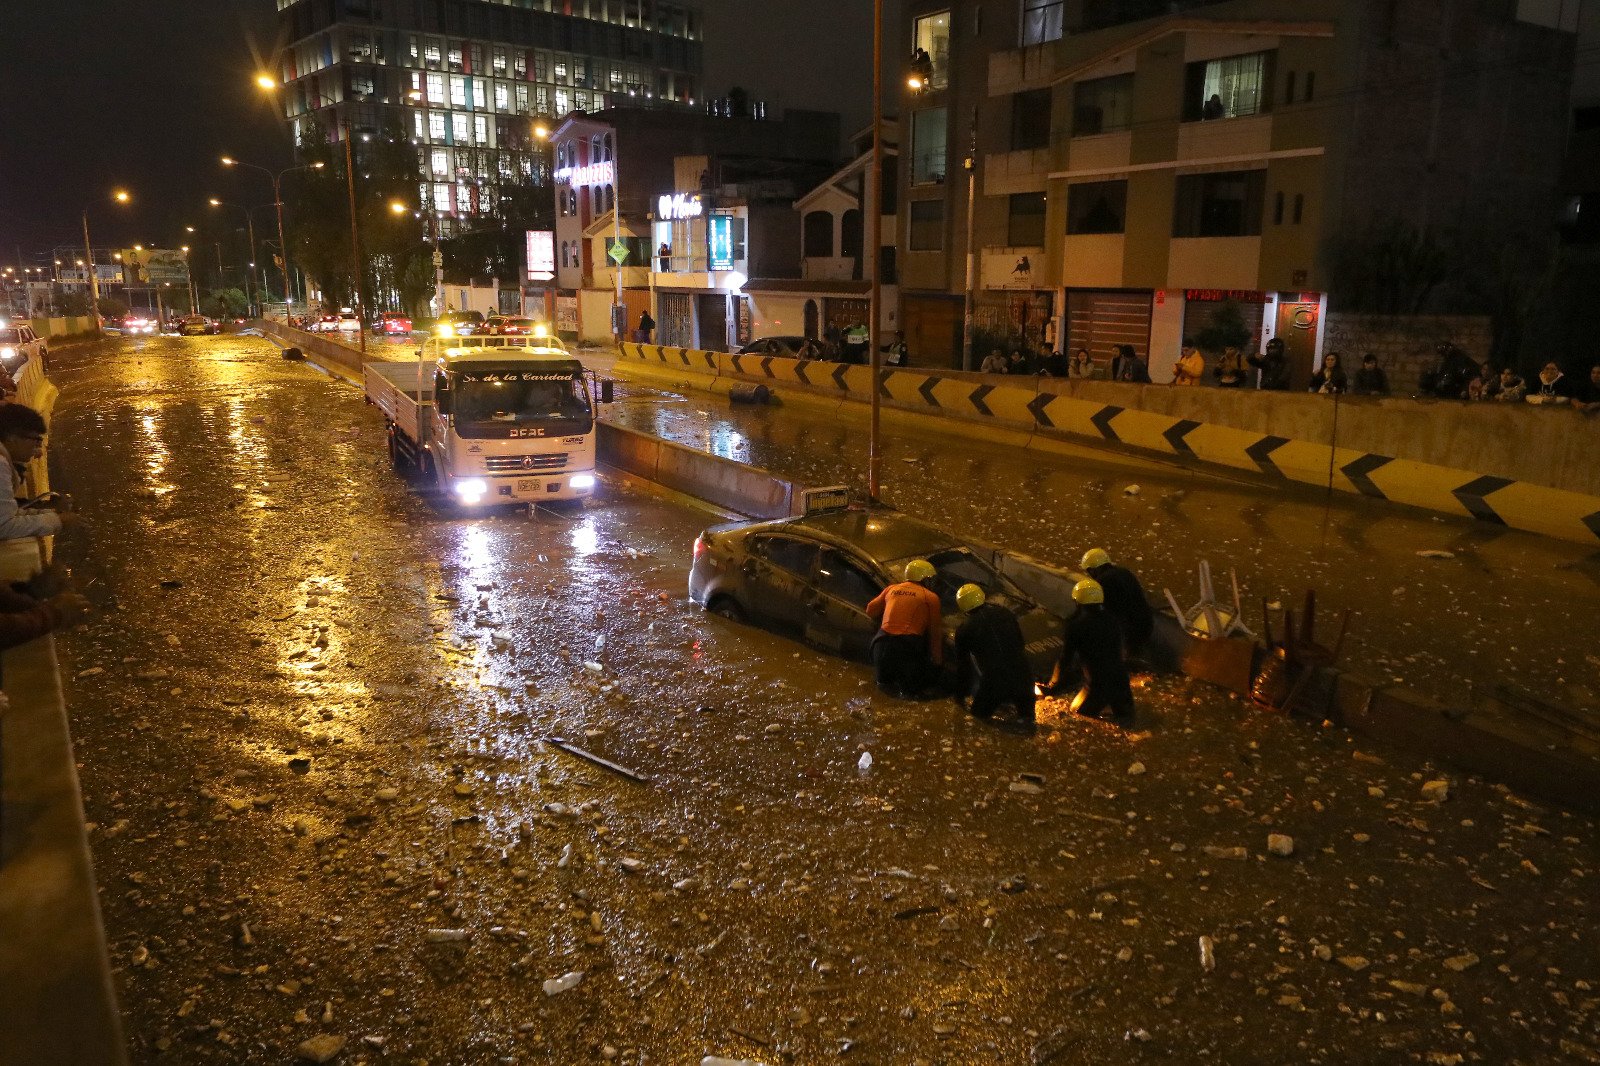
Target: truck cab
(491,420)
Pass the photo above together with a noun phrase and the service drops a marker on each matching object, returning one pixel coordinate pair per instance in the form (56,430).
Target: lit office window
(502,98)
(441,163)
(563,101)
(435,126)
(499,61)
(522,99)
(458,92)
(480,129)
(463,199)
(435,88)
(460,130)
(419,126)
(441,199)
(430,54)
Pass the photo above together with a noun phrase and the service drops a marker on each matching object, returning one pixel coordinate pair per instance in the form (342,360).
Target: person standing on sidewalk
(991,659)
(22,431)
(1273,363)
(909,646)
(1124,597)
(1190,367)
(647,327)
(1091,659)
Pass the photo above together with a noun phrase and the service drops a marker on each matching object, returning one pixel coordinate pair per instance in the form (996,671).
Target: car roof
(882,535)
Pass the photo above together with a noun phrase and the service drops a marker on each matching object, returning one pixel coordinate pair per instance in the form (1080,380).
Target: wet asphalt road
(310,719)
(1499,612)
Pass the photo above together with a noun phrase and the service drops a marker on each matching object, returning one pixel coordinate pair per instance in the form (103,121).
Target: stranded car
(198,326)
(783,347)
(507,326)
(812,577)
(136,323)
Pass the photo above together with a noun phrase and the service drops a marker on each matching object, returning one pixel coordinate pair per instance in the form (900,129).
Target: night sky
(101,94)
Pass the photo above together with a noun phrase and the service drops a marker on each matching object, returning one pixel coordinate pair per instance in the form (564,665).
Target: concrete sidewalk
(1494,612)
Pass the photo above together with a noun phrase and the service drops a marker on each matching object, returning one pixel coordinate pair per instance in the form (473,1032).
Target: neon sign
(679,205)
(593,174)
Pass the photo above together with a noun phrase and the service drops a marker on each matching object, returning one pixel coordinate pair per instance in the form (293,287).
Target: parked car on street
(812,577)
(347,322)
(324,324)
(783,347)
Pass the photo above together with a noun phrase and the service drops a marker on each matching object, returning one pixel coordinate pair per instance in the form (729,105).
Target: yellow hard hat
(919,570)
(1095,558)
(969,597)
(1088,592)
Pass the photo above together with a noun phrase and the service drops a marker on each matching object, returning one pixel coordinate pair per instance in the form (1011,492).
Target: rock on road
(311,716)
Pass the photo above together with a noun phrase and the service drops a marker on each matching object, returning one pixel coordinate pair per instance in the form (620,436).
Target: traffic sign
(618,253)
(438,259)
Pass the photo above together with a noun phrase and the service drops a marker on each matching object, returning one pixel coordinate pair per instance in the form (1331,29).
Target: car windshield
(513,398)
(959,566)
(9,336)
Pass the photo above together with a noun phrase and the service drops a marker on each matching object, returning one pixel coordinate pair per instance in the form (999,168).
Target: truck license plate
(527,487)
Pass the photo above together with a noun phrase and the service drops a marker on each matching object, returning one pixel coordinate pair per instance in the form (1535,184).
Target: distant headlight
(8,353)
(471,490)
(582,481)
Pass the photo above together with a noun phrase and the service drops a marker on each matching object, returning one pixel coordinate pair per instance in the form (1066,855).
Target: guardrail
(56,996)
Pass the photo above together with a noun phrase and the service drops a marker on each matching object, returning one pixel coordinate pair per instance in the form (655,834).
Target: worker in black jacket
(1125,599)
(1091,658)
(991,658)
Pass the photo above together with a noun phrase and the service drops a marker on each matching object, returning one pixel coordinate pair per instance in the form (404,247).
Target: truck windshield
(513,398)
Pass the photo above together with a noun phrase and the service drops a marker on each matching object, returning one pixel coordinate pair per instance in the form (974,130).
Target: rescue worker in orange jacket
(909,647)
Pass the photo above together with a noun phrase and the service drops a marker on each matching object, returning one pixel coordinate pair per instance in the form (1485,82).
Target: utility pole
(875,251)
(355,233)
(967,362)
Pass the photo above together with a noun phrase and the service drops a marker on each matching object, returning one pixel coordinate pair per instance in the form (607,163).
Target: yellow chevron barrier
(1013,406)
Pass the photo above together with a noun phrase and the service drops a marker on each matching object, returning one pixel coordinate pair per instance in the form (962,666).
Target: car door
(777,580)
(837,611)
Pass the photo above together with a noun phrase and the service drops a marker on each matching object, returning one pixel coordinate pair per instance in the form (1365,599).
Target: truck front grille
(516,464)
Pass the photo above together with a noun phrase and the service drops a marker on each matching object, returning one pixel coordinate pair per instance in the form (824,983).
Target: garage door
(1101,320)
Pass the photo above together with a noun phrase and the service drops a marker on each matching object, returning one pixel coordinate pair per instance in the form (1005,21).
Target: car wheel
(728,607)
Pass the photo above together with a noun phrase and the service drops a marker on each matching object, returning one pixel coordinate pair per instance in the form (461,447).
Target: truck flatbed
(394,387)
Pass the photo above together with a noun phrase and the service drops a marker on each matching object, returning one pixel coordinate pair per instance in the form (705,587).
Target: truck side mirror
(606,389)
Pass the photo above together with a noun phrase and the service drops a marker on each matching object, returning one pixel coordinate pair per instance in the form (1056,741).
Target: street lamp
(277,201)
(120,196)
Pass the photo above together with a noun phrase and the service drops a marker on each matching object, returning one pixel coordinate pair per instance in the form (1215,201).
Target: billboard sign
(152,267)
(541,255)
(721,236)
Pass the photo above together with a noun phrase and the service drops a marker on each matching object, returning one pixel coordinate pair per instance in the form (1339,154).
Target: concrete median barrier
(729,484)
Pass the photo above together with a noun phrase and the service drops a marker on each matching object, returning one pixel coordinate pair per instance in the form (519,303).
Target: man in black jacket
(1274,366)
(991,658)
(1091,659)
(1125,599)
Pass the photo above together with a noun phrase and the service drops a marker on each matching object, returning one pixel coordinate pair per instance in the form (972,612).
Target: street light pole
(355,233)
(121,197)
(277,202)
(619,315)
(875,251)
(967,362)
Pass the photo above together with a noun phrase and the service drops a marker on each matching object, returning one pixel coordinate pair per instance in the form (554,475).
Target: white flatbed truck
(489,421)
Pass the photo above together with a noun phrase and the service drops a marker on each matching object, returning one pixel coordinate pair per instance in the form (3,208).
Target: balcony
(1010,172)
(1231,138)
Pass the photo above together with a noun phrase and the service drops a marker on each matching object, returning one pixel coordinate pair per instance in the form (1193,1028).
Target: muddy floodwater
(316,717)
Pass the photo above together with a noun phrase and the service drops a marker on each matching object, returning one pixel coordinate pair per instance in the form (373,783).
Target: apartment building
(707,204)
(466,79)
(1137,165)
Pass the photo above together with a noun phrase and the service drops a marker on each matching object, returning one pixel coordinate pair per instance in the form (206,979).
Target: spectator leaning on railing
(1588,397)
(1506,387)
(1553,386)
(22,431)
(1370,379)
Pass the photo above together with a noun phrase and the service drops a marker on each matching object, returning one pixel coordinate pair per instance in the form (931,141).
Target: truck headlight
(8,353)
(471,490)
(582,481)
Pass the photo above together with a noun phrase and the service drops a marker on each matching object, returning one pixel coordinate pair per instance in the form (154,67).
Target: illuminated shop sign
(541,255)
(593,174)
(679,205)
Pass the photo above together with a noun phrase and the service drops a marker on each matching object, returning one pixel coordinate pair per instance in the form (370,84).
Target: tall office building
(467,79)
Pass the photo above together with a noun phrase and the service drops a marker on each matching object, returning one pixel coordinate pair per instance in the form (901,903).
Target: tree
(111,307)
(73,304)
(224,303)
(416,284)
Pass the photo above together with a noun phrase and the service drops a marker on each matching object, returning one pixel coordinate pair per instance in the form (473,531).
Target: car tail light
(699,545)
